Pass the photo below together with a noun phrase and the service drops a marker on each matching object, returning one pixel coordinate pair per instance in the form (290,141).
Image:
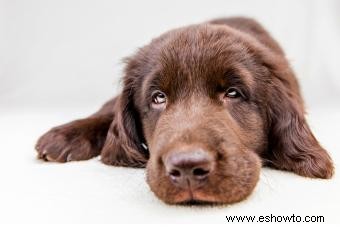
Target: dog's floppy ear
(125,145)
(292,145)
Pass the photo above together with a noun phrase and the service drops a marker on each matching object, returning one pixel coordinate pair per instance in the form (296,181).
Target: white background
(60,60)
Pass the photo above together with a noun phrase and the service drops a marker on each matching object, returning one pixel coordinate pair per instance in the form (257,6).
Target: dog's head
(205,106)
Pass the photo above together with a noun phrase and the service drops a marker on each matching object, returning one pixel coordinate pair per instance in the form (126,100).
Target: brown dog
(203,107)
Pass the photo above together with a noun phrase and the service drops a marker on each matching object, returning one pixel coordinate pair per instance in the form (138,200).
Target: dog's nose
(189,169)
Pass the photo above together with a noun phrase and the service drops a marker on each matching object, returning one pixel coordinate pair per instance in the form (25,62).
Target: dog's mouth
(196,197)
(197,202)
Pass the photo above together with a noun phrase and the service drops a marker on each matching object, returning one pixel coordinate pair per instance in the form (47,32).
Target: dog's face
(209,102)
(201,118)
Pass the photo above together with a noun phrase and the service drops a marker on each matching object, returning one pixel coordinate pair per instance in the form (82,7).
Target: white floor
(91,192)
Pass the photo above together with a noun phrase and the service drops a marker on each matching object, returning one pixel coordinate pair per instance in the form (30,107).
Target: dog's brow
(234,78)
(150,85)
(240,76)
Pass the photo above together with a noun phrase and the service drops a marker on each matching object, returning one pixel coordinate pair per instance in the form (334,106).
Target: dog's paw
(63,144)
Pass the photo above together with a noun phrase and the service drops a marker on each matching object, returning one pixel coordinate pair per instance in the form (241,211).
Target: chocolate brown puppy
(203,107)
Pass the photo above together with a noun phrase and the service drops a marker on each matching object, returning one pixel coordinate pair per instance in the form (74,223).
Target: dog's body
(203,107)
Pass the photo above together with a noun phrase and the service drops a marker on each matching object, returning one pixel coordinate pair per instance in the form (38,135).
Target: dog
(203,107)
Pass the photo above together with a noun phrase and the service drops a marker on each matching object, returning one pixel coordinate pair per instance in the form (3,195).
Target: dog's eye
(158,98)
(232,93)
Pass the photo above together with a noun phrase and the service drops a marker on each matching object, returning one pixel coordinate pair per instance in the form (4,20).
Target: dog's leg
(78,140)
